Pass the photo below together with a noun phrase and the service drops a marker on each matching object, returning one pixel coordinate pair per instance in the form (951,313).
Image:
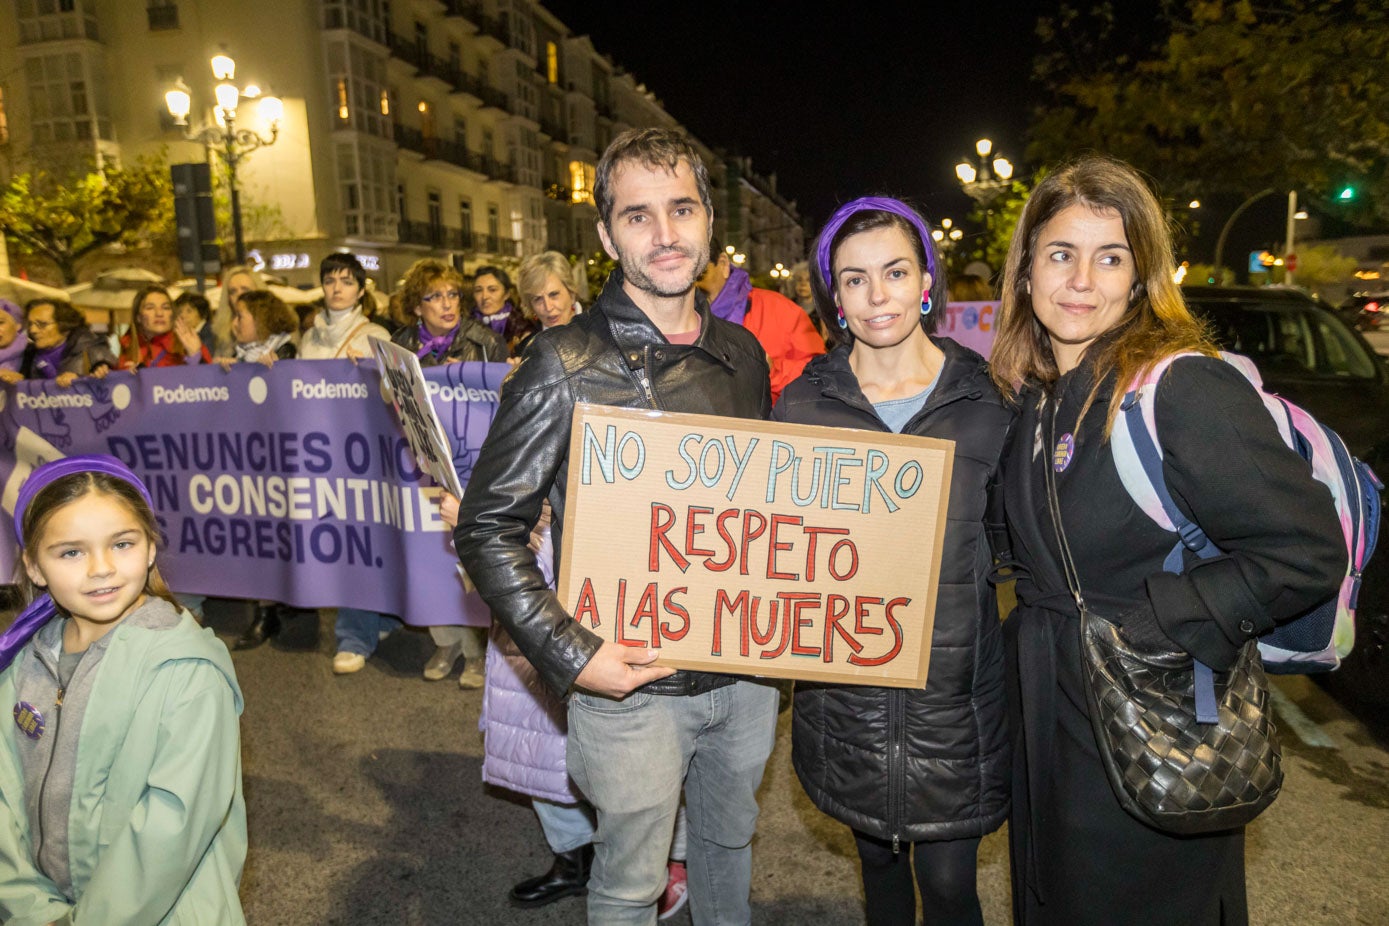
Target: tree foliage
(65,215)
(1230,97)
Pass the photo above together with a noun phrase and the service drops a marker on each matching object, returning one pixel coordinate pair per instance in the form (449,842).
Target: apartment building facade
(468,129)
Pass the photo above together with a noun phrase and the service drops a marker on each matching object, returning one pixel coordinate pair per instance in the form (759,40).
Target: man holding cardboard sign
(637,731)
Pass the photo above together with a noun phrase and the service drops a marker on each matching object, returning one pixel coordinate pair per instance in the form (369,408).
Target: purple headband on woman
(42,608)
(870,204)
(12,310)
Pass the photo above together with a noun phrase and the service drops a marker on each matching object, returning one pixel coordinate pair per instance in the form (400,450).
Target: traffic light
(1347,194)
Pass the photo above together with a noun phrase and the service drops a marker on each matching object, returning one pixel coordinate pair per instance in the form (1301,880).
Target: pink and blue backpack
(1318,640)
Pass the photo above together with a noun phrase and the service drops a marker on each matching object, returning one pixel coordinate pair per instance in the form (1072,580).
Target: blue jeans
(631,757)
(566,826)
(359,631)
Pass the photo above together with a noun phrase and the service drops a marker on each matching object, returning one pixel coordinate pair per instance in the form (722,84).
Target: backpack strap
(1138,457)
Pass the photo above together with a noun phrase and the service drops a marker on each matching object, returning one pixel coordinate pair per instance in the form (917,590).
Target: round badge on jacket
(1065,450)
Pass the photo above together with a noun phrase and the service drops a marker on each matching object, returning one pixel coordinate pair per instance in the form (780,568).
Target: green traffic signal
(1347,194)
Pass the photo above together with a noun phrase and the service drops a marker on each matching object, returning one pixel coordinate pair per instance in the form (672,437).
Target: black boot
(264,625)
(567,877)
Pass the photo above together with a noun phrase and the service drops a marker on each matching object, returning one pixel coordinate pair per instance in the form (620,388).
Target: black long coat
(930,763)
(1078,858)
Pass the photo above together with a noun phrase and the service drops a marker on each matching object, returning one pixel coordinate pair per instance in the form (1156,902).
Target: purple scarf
(48,363)
(496,322)
(429,344)
(42,608)
(731,304)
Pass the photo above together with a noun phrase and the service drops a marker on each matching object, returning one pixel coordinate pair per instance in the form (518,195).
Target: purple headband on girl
(50,472)
(869,204)
(42,608)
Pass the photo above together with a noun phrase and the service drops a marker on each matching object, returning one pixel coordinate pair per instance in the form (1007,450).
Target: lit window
(4,121)
(551,62)
(343,112)
(385,103)
(581,179)
(423,107)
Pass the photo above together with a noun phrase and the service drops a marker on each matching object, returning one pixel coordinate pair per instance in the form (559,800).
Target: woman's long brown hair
(1157,322)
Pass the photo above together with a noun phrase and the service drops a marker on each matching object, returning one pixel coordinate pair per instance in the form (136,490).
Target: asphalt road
(366,807)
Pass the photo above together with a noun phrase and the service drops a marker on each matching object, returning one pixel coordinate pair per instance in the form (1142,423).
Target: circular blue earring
(926,306)
(843,322)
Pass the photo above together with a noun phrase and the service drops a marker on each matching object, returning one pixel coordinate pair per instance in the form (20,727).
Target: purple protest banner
(293,483)
(971,324)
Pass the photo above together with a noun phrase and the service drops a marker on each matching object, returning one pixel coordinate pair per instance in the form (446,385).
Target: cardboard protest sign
(401,370)
(756,547)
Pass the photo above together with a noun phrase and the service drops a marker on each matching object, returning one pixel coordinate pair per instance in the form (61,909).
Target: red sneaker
(677,891)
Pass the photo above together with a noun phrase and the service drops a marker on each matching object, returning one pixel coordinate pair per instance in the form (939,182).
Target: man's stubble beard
(634,274)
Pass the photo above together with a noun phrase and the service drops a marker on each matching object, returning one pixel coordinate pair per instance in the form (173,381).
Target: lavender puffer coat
(525,727)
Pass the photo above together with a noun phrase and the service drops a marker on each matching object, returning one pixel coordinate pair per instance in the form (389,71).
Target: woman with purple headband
(919,775)
(120,780)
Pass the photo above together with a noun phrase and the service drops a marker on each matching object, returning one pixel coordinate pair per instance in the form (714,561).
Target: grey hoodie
(49,761)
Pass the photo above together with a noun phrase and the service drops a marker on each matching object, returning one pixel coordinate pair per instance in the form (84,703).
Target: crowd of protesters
(645,778)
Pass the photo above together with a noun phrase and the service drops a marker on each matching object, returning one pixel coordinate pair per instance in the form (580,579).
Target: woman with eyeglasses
(444,332)
(61,346)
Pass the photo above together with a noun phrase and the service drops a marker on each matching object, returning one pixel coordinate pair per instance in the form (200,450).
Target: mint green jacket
(157,831)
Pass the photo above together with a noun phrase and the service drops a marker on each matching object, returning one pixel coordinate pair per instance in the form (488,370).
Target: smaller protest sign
(400,369)
(756,547)
(971,324)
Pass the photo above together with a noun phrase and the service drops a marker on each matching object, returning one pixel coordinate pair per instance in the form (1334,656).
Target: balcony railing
(428,65)
(368,27)
(452,152)
(453,239)
(491,26)
(408,138)
(468,9)
(163,17)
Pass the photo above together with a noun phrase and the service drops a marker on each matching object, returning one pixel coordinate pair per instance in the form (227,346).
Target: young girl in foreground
(120,778)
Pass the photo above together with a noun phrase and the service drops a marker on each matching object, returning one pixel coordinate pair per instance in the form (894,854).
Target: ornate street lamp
(982,178)
(223,135)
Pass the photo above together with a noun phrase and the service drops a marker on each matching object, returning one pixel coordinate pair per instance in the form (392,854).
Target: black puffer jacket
(933,763)
(471,341)
(610,355)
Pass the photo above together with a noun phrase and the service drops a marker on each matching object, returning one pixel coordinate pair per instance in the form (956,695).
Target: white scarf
(256,350)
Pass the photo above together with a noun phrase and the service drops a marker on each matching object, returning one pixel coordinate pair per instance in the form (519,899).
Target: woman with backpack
(1088,306)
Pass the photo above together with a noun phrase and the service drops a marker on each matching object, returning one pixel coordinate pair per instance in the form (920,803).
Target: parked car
(1309,355)
(1365,311)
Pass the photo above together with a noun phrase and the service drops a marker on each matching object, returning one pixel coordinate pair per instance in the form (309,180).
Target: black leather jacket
(610,355)
(472,341)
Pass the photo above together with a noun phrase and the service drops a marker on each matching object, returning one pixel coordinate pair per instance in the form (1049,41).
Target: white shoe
(472,677)
(441,664)
(345,663)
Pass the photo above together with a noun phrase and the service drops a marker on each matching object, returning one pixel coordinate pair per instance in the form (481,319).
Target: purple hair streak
(870,204)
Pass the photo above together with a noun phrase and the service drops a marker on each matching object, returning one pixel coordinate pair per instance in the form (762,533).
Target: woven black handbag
(1167,769)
